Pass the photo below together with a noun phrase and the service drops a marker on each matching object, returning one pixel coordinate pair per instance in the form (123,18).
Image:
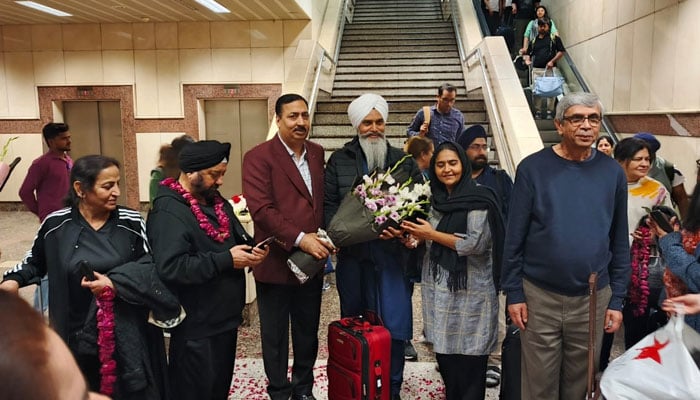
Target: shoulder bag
(548,86)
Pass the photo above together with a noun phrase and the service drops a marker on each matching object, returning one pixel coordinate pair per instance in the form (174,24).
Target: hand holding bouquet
(380,200)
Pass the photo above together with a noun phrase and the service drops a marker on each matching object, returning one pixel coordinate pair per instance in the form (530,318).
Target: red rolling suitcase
(359,357)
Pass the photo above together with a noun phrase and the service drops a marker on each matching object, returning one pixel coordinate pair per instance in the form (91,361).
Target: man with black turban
(370,276)
(200,249)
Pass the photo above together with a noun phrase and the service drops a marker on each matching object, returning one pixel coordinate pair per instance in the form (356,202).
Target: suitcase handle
(378,374)
(352,322)
(365,321)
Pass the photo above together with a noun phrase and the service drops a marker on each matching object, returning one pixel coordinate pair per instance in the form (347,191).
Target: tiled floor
(17,231)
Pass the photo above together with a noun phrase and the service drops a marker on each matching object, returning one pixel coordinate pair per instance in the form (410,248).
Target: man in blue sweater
(567,219)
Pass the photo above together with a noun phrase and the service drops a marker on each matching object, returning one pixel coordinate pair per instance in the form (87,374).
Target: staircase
(402,50)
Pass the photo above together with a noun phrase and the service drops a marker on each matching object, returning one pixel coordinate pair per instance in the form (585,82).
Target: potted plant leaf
(5,168)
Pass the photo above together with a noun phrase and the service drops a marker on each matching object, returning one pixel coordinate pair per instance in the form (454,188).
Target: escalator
(574,82)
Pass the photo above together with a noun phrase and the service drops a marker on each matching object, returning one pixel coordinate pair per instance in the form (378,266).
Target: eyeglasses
(447,100)
(577,119)
(477,147)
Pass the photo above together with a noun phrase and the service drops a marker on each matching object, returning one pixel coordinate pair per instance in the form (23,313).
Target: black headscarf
(466,196)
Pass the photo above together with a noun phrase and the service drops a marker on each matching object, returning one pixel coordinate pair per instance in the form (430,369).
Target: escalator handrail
(584,86)
(504,156)
(606,125)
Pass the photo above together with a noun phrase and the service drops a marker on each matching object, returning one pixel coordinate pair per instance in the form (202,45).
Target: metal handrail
(341,27)
(458,36)
(325,56)
(506,160)
(317,77)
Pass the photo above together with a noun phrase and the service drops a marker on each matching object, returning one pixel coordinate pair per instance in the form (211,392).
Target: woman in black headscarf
(464,238)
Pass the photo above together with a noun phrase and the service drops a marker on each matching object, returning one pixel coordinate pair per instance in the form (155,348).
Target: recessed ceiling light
(214,6)
(46,9)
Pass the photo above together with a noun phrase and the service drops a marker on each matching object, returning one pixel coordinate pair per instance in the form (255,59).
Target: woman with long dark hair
(461,270)
(104,287)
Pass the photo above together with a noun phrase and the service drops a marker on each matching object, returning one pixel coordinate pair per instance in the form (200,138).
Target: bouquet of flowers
(380,200)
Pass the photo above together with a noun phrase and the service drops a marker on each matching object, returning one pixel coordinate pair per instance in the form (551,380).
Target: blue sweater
(567,219)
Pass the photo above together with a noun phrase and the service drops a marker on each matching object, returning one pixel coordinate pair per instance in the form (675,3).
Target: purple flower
(395,216)
(379,219)
(371,205)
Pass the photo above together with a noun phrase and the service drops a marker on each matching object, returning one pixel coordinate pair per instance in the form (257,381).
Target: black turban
(470,134)
(203,154)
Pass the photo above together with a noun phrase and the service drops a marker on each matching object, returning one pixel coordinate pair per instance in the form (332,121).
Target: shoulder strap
(426,114)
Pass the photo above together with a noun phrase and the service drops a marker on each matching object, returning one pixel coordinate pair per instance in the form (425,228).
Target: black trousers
(202,368)
(464,376)
(278,305)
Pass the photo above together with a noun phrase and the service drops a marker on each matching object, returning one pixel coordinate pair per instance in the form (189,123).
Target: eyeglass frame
(591,122)
(484,147)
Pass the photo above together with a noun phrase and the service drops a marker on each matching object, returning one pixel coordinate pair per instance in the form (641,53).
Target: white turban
(363,105)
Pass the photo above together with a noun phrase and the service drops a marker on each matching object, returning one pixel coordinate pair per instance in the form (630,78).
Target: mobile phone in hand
(265,242)
(86,270)
(661,220)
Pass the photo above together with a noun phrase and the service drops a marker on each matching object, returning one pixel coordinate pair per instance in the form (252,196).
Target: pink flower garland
(220,234)
(639,288)
(690,240)
(105,340)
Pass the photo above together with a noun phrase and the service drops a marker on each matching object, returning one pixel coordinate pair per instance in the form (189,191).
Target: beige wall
(637,55)
(157,58)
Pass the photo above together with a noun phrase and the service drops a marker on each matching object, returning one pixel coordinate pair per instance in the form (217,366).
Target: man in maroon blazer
(283,185)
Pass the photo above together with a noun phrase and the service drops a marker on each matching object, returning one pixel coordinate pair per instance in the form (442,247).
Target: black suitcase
(510,364)
(505,29)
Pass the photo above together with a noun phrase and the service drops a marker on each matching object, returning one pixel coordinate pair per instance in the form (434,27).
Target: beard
(200,190)
(375,152)
(479,163)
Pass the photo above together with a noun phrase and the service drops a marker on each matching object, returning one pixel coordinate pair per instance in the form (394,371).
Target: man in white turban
(370,275)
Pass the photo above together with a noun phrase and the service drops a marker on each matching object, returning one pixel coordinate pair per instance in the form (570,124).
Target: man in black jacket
(370,276)
(200,249)
(543,53)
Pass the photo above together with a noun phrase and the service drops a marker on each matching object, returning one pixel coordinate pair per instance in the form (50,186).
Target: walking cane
(591,392)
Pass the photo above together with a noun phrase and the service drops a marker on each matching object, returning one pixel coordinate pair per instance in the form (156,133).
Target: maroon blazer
(280,203)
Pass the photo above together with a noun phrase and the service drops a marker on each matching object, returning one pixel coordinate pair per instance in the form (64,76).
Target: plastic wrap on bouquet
(663,365)
(305,266)
(378,200)
(353,223)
